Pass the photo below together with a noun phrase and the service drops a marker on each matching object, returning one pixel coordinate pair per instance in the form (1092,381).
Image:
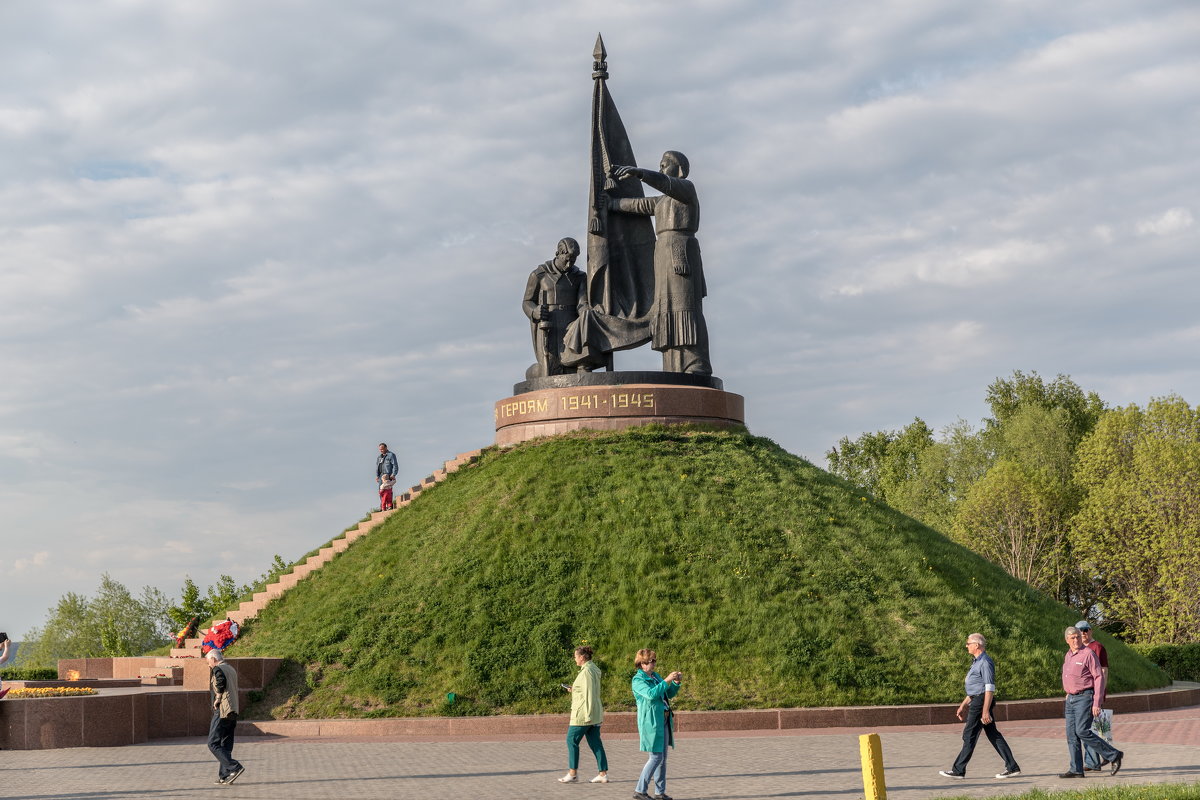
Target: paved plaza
(1159,746)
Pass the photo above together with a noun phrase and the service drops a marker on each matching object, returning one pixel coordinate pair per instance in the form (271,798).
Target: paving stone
(814,764)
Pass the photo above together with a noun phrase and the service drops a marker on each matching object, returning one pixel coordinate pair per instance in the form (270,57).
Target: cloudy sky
(241,243)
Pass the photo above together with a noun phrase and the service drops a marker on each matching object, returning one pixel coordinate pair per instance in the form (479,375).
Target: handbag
(1102,724)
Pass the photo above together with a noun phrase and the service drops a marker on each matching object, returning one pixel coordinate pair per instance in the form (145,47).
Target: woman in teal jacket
(656,729)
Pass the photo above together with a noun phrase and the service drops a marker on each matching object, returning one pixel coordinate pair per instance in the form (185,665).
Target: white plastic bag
(1102,724)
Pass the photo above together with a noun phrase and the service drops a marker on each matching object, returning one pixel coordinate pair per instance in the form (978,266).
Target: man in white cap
(1091,759)
(223,688)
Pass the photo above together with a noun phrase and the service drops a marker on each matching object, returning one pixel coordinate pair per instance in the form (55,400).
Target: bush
(1180,661)
(29,674)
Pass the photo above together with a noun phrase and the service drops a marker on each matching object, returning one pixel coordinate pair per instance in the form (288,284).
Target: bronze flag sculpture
(638,290)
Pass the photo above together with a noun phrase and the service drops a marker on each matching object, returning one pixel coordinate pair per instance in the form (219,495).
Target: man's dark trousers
(220,743)
(971,735)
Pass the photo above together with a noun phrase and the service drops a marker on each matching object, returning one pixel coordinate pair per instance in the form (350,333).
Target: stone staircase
(250,608)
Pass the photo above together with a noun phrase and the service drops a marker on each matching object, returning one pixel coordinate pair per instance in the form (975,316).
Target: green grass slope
(768,581)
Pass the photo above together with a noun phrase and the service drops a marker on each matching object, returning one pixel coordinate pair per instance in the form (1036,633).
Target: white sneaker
(600,779)
(569,778)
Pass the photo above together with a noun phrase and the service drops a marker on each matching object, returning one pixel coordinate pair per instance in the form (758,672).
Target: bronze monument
(644,283)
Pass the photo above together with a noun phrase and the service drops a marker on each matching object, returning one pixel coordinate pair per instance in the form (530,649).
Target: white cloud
(1173,220)
(33,562)
(236,253)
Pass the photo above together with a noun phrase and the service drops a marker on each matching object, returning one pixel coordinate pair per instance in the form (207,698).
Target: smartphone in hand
(566,686)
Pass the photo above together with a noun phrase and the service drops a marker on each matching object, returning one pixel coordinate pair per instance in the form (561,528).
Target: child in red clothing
(385,492)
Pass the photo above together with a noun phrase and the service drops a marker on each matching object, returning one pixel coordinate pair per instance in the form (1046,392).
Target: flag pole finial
(599,65)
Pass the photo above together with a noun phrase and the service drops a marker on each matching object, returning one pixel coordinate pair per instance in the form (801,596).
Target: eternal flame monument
(644,283)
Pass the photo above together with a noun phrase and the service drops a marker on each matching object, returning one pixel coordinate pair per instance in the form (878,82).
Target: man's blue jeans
(1080,734)
(656,767)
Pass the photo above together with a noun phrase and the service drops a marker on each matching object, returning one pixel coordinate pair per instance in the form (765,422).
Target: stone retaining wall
(134,717)
(864,717)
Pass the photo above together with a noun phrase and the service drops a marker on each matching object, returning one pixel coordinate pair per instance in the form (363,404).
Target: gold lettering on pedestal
(571,404)
(613,400)
(632,400)
(518,408)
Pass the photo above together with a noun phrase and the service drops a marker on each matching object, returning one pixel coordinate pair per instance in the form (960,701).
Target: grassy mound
(768,581)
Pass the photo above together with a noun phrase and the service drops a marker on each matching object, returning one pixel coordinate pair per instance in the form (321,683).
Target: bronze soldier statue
(677,327)
(553,295)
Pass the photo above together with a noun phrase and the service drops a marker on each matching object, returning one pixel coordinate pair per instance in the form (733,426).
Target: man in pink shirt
(1083,681)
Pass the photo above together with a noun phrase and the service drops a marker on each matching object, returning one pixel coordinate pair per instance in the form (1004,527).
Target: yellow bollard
(872,765)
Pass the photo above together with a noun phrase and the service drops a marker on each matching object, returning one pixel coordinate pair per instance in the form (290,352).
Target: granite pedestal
(609,401)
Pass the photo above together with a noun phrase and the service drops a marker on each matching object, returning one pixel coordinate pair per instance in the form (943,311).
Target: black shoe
(948,774)
(233,776)
(1071,775)
(663,797)
(220,781)
(1009,773)
(1116,763)
(1093,769)
(640,796)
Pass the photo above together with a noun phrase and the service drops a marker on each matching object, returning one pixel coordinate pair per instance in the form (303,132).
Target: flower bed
(56,691)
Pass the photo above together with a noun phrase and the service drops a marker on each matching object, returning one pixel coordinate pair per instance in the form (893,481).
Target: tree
(1136,530)
(1007,396)
(191,604)
(1005,491)
(113,623)
(879,462)
(1016,518)
(223,596)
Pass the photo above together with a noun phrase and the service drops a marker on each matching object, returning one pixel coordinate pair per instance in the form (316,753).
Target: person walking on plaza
(978,706)
(1091,759)
(1083,681)
(386,464)
(654,720)
(586,716)
(4,644)
(223,688)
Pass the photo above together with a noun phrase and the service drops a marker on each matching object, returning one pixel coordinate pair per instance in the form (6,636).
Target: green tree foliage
(220,598)
(1015,517)
(1005,490)
(881,462)
(115,623)
(1136,530)
(112,623)
(1007,396)
(223,596)
(191,604)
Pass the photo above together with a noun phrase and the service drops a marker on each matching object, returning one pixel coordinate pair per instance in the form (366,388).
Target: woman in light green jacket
(586,716)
